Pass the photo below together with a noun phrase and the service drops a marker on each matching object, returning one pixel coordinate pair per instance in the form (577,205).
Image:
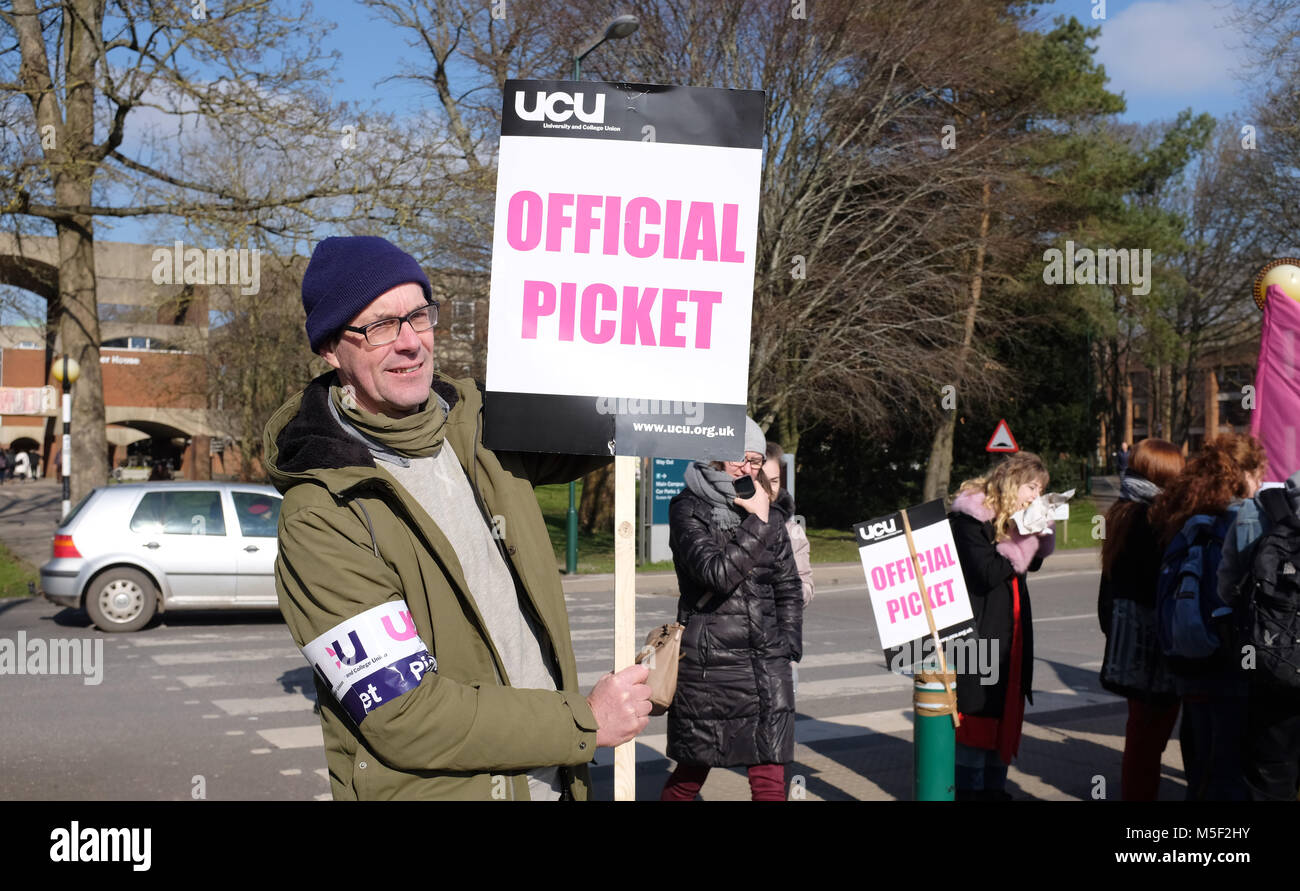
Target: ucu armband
(372,658)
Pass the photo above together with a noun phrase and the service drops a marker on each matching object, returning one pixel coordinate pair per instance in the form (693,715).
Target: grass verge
(15,574)
(1078,530)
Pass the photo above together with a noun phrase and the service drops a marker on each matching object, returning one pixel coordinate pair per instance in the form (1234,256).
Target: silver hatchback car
(127,552)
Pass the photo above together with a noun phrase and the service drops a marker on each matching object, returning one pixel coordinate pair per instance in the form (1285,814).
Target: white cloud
(1170,49)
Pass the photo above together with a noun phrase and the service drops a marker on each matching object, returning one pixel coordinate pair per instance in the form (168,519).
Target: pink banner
(26,400)
(1277,386)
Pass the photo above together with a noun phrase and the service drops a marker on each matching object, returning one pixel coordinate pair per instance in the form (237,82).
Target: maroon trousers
(766,782)
(1148,730)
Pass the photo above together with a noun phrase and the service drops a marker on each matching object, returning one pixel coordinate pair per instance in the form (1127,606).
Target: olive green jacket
(351,540)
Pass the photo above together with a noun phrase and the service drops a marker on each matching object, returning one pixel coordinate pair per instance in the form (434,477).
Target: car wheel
(121,600)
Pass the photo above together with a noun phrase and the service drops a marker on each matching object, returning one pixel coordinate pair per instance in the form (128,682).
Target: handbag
(661,653)
(1133,665)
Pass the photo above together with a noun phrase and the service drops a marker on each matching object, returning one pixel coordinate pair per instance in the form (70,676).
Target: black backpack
(1272,591)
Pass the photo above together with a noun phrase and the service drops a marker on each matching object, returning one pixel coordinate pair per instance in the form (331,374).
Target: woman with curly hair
(1214,692)
(1133,666)
(994,559)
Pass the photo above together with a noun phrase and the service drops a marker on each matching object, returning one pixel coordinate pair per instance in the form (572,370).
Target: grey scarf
(1135,487)
(395,440)
(718,489)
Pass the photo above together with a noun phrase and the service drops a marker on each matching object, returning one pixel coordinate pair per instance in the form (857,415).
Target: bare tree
(86,71)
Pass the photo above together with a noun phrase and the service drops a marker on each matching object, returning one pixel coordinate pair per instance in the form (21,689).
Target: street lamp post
(66,371)
(618,28)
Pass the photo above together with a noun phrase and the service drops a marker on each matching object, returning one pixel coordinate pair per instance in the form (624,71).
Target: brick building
(154,355)
(1189,409)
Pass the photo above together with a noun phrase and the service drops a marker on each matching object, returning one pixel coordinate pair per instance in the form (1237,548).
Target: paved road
(29,511)
(227,697)
(853,732)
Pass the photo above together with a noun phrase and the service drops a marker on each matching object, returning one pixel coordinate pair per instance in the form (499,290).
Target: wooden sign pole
(929,617)
(625,606)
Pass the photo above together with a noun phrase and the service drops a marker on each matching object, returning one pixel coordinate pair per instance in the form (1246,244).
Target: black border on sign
(705,116)
(921,516)
(576,425)
(963,629)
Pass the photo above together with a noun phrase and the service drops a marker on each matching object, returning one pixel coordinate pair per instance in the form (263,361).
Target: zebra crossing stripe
(875,681)
(294,737)
(890,721)
(206,640)
(237,656)
(265,705)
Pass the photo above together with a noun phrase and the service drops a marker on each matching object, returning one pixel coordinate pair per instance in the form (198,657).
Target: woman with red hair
(1133,666)
(1213,690)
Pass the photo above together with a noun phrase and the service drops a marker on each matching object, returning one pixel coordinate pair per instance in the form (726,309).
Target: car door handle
(152,544)
(252,548)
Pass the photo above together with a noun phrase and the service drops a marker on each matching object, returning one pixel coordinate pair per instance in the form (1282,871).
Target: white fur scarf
(1019,549)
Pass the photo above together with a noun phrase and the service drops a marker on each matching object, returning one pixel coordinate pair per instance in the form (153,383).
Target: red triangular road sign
(1002,440)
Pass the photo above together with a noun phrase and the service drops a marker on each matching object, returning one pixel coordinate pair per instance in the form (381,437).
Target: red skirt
(1002,734)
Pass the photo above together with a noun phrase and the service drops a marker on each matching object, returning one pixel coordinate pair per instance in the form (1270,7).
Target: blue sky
(1163,55)
(1167,55)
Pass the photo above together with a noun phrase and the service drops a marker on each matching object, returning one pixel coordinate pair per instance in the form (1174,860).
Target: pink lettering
(586,222)
(557,220)
(947,556)
(672,228)
(730,222)
(568,306)
(407,620)
(608,302)
(612,205)
(671,317)
(539,300)
(705,300)
(636,316)
(524,220)
(701,239)
(636,208)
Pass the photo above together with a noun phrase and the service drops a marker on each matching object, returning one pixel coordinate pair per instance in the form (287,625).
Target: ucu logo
(407,634)
(876,530)
(358,651)
(548,106)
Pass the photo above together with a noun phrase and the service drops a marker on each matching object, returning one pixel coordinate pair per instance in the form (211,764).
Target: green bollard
(571,550)
(934,742)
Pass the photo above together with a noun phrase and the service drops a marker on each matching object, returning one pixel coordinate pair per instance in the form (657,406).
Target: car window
(180,513)
(76,509)
(258,514)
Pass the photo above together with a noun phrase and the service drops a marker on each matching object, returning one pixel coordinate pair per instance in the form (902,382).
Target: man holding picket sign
(415,570)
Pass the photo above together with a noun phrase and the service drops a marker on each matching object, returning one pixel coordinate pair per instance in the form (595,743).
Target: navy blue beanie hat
(345,276)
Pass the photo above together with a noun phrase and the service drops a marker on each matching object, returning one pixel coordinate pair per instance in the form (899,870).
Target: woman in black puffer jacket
(742,605)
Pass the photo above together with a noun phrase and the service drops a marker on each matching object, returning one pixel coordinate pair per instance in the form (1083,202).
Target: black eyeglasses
(385,331)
